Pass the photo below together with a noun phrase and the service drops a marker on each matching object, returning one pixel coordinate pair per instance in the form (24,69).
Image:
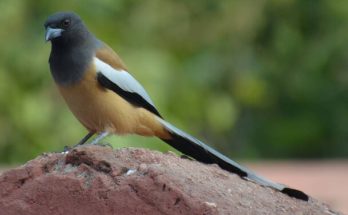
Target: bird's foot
(84,140)
(102,144)
(67,149)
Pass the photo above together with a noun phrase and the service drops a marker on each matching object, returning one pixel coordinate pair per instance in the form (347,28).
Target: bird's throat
(69,63)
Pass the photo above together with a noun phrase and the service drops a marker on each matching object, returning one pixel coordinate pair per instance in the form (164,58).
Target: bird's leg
(81,142)
(100,137)
(84,140)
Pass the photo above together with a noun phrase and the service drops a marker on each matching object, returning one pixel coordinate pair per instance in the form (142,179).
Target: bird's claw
(103,144)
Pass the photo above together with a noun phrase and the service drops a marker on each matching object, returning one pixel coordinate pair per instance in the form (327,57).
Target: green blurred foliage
(252,78)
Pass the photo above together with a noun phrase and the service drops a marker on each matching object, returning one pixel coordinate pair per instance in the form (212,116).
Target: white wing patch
(122,79)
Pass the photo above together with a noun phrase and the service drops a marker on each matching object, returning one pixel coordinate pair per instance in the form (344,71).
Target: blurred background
(257,80)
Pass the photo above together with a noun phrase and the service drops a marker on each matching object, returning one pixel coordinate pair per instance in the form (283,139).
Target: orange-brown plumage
(110,57)
(100,109)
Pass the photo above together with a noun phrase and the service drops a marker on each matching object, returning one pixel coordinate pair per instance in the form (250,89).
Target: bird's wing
(112,74)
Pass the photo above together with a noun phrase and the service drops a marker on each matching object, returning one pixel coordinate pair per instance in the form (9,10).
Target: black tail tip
(295,193)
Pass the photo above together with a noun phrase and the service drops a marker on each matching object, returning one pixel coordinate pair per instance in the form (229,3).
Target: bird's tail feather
(194,148)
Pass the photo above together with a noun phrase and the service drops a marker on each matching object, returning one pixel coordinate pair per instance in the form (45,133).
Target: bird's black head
(65,27)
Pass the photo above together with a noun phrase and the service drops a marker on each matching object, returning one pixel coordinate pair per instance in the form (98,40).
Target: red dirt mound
(98,180)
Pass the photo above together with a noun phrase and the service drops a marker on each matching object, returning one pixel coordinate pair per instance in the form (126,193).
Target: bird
(106,98)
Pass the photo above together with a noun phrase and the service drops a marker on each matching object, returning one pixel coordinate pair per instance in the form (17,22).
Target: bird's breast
(97,108)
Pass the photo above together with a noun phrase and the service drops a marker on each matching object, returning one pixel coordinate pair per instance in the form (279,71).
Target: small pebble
(130,172)
(210,204)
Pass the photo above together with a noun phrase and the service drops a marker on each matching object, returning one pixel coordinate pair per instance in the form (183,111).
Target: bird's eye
(66,22)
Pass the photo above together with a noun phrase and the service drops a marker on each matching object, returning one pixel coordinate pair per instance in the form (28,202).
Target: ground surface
(98,180)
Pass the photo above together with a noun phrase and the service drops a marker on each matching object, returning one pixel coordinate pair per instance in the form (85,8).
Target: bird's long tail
(194,148)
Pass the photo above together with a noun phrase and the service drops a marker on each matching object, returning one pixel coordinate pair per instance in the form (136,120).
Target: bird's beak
(52,33)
